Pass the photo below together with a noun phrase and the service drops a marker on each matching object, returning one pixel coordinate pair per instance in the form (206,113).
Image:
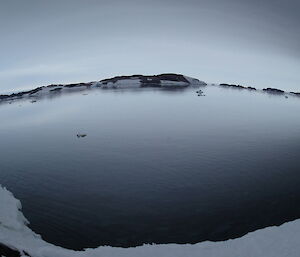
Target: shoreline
(171,81)
(17,240)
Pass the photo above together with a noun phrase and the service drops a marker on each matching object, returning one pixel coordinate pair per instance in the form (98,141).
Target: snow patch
(194,81)
(124,83)
(96,84)
(10,214)
(166,83)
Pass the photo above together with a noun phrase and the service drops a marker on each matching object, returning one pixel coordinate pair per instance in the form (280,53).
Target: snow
(10,217)
(194,81)
(124,83)
(280,241)
(165,83)
(191,82)
(96,84)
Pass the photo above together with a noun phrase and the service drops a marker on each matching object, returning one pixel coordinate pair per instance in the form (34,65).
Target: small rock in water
(81,135)
(33,101)
(286,96)
(200,93)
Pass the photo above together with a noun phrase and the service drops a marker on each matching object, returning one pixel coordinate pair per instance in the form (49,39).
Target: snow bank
(166,83)
(280,241)
(194,81)
(124,83)
(191,82)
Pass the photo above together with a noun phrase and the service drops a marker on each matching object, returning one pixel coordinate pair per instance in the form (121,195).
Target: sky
(254,43)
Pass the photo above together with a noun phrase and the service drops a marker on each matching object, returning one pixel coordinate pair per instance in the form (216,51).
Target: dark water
(156,166)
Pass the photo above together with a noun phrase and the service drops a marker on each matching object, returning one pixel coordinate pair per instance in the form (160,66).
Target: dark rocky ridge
(235,86)
(273,90)
(295,93)
(79,85)
(151,80)
(267,90)
(56,89)
(20,94)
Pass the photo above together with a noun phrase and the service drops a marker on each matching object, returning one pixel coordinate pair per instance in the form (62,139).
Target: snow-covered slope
(280,241)
(124,83)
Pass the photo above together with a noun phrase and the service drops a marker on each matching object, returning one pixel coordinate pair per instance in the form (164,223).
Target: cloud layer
(252,42)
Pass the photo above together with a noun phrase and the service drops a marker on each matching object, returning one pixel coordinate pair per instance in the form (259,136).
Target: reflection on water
(156,165)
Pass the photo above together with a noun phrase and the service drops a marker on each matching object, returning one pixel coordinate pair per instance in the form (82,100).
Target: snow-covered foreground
(273,241)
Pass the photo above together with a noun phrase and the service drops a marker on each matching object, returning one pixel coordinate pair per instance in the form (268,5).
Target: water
(157,166)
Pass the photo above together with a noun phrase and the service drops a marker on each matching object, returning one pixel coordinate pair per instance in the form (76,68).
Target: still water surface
(157,166)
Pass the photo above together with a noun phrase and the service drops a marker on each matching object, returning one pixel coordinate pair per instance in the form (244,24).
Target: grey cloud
(213,40)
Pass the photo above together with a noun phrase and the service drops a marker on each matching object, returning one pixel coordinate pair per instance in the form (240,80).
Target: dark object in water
(81,135)
(200,93)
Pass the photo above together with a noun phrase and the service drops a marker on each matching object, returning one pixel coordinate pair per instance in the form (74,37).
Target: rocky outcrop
(267,90)
(20,94)
(148,80)
(295,93)
(273,90)
(232,85)
(56,89)
(237,86)
(89,84)
(167,79)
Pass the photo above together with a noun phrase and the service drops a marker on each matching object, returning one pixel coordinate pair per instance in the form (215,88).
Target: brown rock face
(151,80)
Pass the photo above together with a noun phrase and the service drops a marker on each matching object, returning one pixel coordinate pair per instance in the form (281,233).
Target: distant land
(166,80)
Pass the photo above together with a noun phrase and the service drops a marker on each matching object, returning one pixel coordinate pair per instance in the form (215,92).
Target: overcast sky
(253,42)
